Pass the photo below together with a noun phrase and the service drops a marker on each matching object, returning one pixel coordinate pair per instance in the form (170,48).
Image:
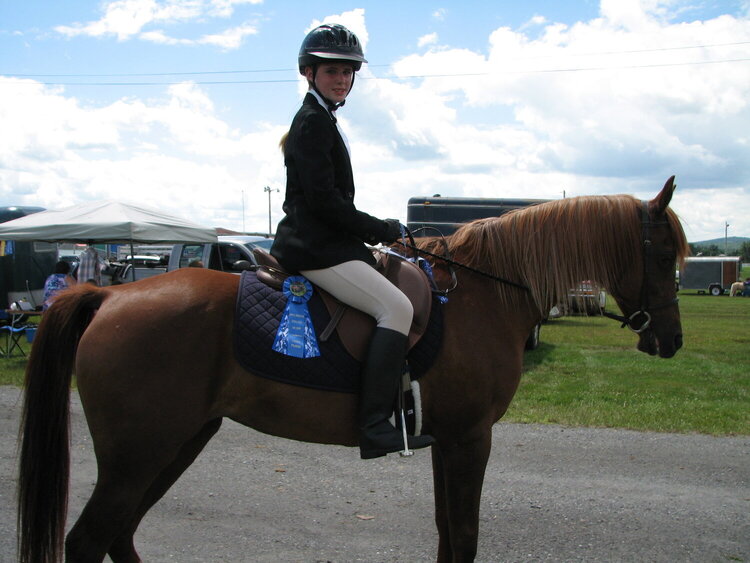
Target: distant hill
(733,243)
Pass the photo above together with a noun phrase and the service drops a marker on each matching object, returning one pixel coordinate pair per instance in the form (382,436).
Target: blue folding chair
(13,334)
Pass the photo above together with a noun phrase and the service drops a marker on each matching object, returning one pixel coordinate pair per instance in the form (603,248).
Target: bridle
(641,319)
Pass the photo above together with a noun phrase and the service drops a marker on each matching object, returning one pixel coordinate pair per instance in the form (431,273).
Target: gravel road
(551,494)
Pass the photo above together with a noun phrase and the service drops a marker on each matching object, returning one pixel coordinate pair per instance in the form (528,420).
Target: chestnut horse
(156,372)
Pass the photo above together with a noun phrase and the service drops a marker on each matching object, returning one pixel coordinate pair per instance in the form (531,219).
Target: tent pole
(132,259)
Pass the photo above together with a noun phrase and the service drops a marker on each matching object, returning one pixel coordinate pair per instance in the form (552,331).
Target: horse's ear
(658,205)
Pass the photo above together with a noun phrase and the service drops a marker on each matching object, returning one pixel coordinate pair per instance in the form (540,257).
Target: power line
(397,77)
(256,71)
(654,50)
(573,69)
(193,73)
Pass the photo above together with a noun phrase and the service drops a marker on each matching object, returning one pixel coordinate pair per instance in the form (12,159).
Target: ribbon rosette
(296,333)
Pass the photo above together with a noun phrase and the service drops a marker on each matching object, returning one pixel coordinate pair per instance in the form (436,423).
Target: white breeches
(359,285)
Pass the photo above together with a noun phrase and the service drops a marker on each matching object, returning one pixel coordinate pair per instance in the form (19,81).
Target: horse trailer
(712,274)
(430,216)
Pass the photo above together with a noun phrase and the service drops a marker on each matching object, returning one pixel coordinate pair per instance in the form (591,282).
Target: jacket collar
(313,100)
(321,102)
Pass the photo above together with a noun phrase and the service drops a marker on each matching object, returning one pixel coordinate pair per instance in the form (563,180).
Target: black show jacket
(322,228)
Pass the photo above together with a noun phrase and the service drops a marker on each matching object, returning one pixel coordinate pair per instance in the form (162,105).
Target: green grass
(12,369)
(587,372)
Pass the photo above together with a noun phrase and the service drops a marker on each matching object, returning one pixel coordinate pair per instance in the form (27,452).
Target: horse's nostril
(678,341)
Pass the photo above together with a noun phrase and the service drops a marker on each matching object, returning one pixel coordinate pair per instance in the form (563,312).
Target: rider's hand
(392,231)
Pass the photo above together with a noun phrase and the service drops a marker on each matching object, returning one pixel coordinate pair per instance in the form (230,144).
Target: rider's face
(334,80)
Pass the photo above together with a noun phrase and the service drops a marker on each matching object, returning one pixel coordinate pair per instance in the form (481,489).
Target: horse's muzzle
(651,345)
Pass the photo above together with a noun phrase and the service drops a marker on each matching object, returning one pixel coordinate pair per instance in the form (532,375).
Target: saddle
(354,327)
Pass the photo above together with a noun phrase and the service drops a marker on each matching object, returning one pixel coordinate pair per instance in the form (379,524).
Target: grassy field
(12,369)
(587,372)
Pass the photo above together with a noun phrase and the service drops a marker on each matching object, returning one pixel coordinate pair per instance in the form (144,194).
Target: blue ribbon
(296,333)
(425,266)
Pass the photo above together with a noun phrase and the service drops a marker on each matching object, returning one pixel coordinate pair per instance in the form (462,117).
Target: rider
(323,235)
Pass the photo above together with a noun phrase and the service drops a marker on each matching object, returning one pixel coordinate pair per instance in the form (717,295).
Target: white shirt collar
(341,131)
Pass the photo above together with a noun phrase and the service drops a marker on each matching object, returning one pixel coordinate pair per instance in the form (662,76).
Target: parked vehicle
(712,274)
(229,254)
(587,299)
(432,216)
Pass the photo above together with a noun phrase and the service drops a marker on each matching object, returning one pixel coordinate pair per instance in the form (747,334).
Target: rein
(406,233)
(643,312)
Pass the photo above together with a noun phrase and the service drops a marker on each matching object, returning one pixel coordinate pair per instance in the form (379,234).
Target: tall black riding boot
(383,366)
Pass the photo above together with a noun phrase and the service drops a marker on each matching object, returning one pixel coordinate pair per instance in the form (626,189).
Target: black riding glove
(392,231)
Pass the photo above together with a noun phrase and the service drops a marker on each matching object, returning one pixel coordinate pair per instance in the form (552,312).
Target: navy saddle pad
(257,316)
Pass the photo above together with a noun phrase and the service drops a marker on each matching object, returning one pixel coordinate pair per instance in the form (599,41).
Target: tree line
(743,251)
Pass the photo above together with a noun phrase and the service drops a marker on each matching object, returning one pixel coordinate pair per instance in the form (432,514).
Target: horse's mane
(552,247)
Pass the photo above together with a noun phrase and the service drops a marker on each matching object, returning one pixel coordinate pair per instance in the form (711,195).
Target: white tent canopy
(105,221)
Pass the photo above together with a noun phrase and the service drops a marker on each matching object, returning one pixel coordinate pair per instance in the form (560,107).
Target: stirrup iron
(406,452)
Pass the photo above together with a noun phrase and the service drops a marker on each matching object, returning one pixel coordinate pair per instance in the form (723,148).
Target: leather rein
(445,257)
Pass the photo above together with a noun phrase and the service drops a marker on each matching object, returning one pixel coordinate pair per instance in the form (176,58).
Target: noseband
(641,319)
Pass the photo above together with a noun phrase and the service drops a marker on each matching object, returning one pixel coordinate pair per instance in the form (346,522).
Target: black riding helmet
(330,43)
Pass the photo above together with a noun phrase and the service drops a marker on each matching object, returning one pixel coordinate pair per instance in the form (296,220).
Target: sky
(180,104)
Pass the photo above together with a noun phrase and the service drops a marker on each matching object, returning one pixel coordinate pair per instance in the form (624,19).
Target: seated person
(55,283)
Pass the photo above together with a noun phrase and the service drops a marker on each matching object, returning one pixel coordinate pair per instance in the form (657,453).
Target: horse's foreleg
(122,549)
(441,510)
(458,470)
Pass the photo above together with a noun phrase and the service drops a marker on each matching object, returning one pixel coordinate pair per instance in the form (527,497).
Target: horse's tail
(44,463)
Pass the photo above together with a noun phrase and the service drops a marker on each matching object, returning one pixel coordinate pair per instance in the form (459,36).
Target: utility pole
(726,231)
(269,190)
(243,212)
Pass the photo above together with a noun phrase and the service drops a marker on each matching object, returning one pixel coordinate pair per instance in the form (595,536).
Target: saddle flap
(355,327)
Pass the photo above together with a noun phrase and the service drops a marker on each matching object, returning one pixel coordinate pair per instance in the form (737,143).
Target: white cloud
(353,20)
(173,149)
(230,38)
(429,39)
(538,20)
(126,19)
(158,36)
(505,122)
(641,116)
(704,211)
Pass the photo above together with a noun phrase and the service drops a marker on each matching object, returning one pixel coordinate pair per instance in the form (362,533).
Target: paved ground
(551,494)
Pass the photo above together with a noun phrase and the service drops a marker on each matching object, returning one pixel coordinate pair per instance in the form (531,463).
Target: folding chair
(13,335)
